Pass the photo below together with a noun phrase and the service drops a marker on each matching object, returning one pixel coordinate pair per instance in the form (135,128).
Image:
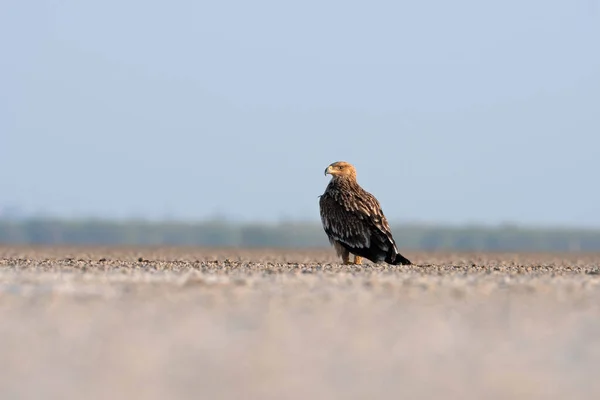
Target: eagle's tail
(400,259)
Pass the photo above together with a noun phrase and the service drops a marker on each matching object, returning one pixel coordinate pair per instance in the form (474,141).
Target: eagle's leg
(346,257)
(357,260)
(342,252)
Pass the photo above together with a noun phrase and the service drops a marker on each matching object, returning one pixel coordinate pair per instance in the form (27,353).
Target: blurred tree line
(288,234)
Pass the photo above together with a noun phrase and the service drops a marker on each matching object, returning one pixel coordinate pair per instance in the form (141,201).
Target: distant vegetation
(221,233)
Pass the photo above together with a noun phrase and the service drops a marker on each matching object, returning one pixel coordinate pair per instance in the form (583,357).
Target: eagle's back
(353,217)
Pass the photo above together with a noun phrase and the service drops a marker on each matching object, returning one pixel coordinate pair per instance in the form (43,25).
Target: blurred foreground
(159,323)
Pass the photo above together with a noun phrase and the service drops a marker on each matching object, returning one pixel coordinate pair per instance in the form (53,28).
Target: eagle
(353,220)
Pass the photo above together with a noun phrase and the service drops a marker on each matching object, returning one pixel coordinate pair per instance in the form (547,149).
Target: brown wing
(355,219)
(371,210)
(343,225)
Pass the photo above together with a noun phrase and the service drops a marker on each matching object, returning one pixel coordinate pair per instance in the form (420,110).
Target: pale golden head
(341,169)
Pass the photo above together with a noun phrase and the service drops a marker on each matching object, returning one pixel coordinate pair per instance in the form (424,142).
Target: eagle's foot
(357,260)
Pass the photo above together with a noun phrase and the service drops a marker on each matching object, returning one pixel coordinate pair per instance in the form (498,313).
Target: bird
(354,221)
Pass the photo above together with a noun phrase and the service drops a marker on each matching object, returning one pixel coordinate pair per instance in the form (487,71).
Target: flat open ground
(166,323)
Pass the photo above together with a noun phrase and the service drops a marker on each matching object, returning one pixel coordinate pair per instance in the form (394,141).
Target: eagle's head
(341,169)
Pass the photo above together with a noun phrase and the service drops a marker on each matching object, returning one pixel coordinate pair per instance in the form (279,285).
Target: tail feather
(400,259)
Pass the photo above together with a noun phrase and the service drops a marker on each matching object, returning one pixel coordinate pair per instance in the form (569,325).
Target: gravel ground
(166,323)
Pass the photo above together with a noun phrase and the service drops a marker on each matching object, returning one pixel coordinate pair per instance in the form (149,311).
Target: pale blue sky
(452,111)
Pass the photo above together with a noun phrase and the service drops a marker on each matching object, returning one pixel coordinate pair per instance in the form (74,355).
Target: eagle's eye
(340,167)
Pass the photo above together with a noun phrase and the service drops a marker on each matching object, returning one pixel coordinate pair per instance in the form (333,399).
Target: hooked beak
(327,170)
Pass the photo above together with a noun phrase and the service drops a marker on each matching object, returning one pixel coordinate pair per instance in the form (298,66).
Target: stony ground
(166,323)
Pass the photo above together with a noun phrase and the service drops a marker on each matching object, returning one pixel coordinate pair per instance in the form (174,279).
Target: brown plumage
(353,219)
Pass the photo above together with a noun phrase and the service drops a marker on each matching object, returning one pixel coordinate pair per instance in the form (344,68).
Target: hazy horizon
(452,113)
